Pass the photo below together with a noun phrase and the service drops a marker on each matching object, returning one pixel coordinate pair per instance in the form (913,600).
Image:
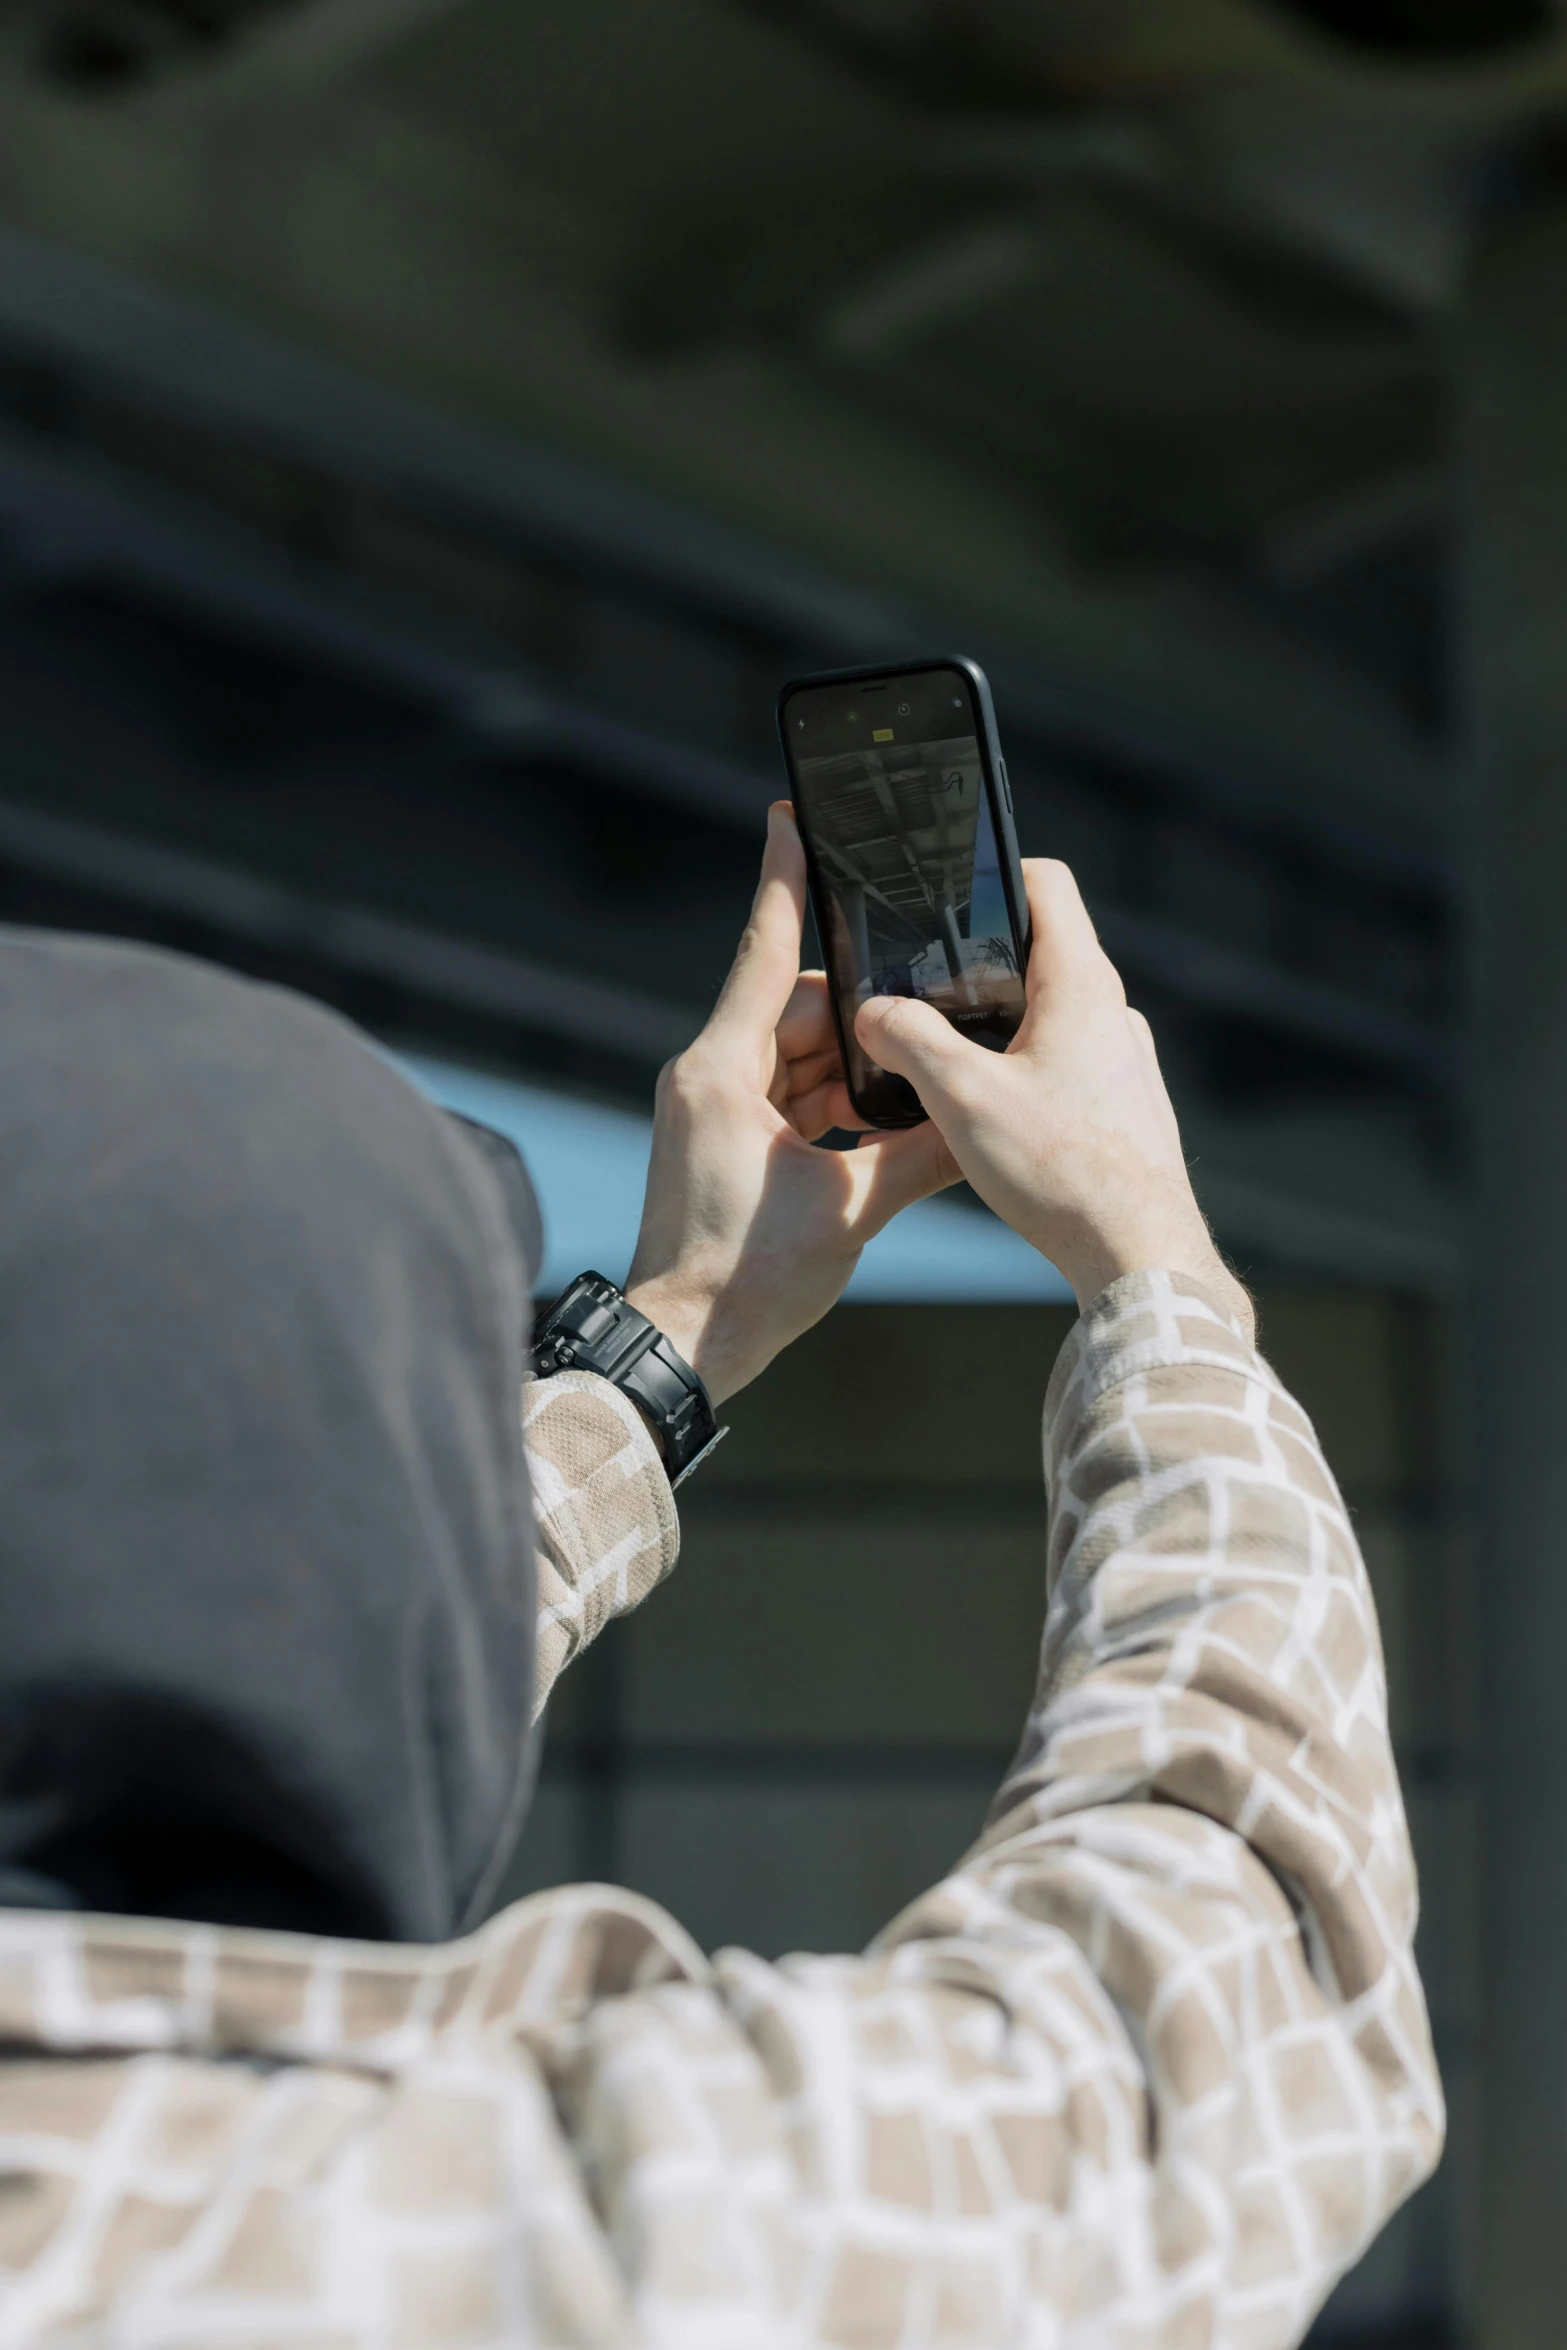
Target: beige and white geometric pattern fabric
(1145,2073)
(607,1525)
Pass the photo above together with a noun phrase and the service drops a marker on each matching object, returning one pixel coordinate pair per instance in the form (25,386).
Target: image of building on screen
(910,862)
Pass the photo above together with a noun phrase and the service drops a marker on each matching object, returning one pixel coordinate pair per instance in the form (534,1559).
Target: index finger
(806,1025)
(767,963)
(1066,949)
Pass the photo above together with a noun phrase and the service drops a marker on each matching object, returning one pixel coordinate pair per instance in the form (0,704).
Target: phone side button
(1006,787)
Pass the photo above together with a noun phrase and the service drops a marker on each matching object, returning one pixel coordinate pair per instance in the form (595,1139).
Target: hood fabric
(266,1549)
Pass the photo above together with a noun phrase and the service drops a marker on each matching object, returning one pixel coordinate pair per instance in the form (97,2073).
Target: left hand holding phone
(749,1234)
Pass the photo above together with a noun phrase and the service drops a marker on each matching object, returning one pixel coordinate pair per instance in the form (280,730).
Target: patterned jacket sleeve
(1153,2066)
(608,1531)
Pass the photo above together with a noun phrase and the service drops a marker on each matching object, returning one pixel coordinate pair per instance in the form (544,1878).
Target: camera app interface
(889,774)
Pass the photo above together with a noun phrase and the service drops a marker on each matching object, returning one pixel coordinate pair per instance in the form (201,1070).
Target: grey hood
(266,1552)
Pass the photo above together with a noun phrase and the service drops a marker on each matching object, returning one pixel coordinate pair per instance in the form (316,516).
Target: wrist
(1204,1266)
(1177,1244)
(593,1326)
(682,1323)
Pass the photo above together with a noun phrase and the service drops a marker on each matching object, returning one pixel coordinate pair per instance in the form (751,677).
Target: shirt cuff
(1142,1322)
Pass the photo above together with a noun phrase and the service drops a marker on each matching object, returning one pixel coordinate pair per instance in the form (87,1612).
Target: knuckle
(682,1079)
(702,1073)
(1054,876)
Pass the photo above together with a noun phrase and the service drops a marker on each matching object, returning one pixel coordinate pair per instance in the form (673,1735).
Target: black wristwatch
(590,1327)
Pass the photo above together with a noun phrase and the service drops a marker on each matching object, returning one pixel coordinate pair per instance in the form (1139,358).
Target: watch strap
(593,1327)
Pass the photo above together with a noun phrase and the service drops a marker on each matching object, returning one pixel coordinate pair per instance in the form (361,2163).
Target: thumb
(891,1171)
(915,1042)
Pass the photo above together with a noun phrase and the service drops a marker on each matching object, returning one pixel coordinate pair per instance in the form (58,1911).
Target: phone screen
(889,779)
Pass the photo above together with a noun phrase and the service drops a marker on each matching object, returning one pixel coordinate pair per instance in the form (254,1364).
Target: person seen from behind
(292,1552)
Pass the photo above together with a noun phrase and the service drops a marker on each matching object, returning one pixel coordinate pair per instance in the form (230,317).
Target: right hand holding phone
(1069,1135)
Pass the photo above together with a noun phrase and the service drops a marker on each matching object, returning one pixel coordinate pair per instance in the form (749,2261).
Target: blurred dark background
(431,430)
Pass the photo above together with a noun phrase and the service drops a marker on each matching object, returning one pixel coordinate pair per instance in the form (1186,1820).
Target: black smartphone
(905,810)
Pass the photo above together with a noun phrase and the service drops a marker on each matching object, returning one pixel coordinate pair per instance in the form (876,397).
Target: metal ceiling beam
(356,939)
(1214,978)
(68,523)
(1379,515)
(1297,730)
(312,45)
(75,521)
(157,54)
